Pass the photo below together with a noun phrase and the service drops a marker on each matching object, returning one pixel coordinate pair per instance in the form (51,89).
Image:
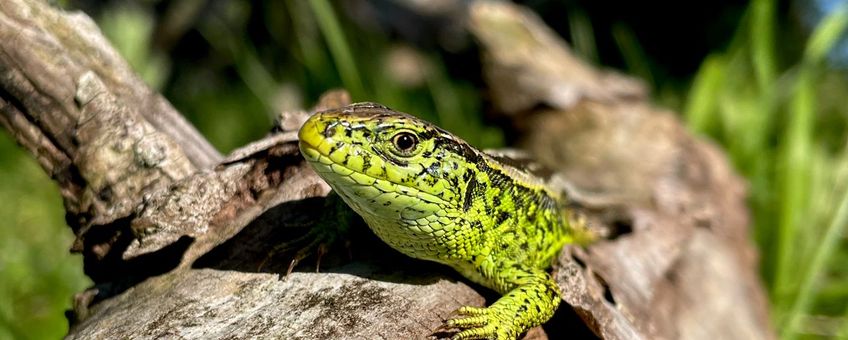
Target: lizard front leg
(531,298)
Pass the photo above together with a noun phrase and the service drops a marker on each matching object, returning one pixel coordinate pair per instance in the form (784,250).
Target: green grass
(38,275)
(769,119)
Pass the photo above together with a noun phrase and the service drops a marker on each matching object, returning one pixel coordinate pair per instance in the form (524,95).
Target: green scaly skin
(442,200)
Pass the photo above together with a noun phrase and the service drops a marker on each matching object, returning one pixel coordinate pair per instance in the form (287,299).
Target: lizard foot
(481,323)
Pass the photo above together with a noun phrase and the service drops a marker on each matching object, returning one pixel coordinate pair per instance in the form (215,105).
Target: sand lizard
(432,196)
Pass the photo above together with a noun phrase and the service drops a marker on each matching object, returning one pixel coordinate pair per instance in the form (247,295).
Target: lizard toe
(473,311)
(488,331)
(474,321)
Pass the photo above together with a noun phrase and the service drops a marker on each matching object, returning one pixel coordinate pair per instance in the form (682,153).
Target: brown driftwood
(173,234)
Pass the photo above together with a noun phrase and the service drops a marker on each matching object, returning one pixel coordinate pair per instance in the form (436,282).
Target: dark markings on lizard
(469,193)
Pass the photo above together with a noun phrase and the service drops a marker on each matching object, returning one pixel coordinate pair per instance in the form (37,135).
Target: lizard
(430,195)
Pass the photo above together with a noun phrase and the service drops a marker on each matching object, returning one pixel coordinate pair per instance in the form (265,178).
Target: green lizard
(432,196)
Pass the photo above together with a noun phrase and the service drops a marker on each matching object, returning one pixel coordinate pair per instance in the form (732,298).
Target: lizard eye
(405,142)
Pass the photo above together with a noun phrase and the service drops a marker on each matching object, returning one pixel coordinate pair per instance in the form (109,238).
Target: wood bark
(176,237)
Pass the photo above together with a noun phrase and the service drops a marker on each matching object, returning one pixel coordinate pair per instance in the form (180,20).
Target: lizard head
(390,167)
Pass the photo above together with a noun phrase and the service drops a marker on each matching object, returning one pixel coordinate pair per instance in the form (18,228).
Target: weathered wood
(173,234)
(70,99)
(356,303)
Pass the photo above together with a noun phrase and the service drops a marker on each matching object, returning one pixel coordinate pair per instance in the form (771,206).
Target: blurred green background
(766,79)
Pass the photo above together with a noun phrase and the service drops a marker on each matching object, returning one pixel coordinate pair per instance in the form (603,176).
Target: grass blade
(339,49)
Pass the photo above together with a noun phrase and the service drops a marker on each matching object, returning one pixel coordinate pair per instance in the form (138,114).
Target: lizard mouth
(310,140)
